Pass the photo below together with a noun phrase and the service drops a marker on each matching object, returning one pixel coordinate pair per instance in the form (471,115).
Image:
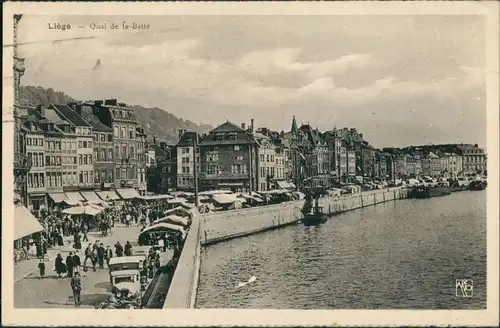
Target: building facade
(142,182)
(122,120)
(186,149)
(229,159)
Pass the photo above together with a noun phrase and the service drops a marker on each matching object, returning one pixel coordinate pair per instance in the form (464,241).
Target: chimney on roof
(243,126)
(251,125)
(111,102)
(40,110)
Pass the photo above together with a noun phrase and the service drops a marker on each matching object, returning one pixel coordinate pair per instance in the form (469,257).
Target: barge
(429,192)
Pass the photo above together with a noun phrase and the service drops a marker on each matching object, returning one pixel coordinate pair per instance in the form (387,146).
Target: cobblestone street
(31,291)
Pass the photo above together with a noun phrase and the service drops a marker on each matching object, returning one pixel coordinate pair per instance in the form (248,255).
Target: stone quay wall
(221,226)
(215,227)
(182,291)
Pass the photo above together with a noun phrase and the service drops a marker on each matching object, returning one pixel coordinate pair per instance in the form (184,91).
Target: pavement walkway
(26,267)
(31,291)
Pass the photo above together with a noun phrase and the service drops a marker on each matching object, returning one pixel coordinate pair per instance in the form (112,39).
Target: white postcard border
(232,317)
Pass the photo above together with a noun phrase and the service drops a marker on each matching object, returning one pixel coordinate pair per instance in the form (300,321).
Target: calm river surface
(403,254)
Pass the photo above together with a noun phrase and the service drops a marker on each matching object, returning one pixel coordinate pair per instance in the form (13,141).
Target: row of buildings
(98,146)
(79,148)
(242,158)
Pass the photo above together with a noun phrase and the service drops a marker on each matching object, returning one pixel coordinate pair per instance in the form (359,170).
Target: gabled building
(187,148)
(84,142)
(121,118)
(104,165)
(229,159)
(163,174)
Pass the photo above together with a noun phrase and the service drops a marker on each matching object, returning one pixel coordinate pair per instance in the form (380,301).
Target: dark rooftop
(71,115)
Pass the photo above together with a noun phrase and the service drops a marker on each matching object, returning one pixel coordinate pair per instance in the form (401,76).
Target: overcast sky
(400,80)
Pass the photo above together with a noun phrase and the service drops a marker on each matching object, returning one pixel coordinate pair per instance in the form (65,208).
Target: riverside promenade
(30,291)
(216,227)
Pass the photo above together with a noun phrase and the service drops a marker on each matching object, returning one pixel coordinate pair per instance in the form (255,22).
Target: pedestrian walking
(60,266)
(101,252)
(109,255)
(76,262)
(88,254)
(95,255)
(128,249)
(69,264)
(85,230)
(118,249)
(76,287)
(41,267)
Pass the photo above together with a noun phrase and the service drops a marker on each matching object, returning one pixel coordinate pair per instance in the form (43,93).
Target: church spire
(295,129)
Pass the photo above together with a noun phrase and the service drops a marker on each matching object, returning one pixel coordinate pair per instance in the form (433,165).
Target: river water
(405,254)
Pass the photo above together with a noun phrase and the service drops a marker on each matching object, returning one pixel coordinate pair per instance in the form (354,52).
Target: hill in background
(157,122)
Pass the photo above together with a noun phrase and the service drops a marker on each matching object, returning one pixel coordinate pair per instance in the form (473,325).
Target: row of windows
(121,152)
(102,155)
(83,131)
(185,181)
(34,141)
(122,133)
(103,137)
(187,169)
(239,169)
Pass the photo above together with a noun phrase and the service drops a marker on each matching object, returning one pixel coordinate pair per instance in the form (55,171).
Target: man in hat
(109,255)
(101,252)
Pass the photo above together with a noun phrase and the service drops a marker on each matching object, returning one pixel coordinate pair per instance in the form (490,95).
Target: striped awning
(90,196)
(75,197)
(128,193)
(58,197)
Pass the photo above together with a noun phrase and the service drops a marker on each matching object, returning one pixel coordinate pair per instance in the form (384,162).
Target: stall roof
(25,223)
(155,197)
(58,197)
(174,219)
(285,185)
(90,196)
(108,195)
(129,193)
(75,196)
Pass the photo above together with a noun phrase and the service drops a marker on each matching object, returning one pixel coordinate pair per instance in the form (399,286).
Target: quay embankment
(182,291)
(215,227)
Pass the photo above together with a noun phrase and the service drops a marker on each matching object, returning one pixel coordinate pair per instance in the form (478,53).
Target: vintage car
(126,285)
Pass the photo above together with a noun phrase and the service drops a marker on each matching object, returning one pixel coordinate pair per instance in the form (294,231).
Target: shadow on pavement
(104,285)
(90,299)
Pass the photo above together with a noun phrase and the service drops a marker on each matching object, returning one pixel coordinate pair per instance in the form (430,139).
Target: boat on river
(312,212)
(422,192)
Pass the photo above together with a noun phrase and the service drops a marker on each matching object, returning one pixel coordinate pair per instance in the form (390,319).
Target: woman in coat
(60,266)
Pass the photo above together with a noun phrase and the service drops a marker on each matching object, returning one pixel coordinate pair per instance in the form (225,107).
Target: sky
(400,80)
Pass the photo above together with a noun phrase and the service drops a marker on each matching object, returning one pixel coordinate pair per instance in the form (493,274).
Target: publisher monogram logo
(464,288)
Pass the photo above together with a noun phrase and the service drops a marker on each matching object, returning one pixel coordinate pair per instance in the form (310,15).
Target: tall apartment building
(473,158)
(104,166)
(122,120)
(142,159)
(267,155)
(84,149)
(35,150)
(229,159)
(186,148)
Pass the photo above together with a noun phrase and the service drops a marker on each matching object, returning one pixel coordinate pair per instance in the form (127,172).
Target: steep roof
(88,116)
(71,115)
(227,127)
(187,138)
(313,135)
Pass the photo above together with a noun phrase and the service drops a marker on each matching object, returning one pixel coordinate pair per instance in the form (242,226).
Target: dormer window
(219,136)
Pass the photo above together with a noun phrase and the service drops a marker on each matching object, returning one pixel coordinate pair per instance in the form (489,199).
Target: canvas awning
(107,195)
(75,196)
(128,193)
(58,197)
(285,185)
(25,223)
(90,196)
